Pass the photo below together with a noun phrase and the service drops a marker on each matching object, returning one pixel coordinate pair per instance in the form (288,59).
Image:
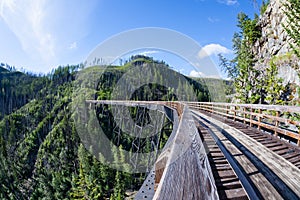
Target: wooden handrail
(256,114)
(185,151)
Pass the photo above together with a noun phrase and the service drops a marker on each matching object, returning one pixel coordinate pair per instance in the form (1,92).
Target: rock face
(275,45)
(274,40)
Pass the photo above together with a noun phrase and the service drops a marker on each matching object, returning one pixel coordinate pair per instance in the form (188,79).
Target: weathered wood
(298,143)
(239,112)
(286,171)
(264,188)
(187,173)
(184,155)
(276,123)
(291,109)
(251,117)
(267,126)
(159,169)
(244,109)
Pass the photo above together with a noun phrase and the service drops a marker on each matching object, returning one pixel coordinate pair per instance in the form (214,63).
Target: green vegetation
(264,6)
(292,11)
(254,85)
(17,89)
(241,69)
(158,78)
(220,90)
(41,156)
(273,86)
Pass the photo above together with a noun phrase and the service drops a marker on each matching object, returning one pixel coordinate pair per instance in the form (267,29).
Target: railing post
(276,123)
(234,113)
(298,143)
(259,119)
(227,112)
(244,114)
(159,170)
(251,117)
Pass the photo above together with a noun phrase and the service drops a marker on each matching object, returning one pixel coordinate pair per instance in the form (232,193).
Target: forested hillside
(41,156)
(17,89)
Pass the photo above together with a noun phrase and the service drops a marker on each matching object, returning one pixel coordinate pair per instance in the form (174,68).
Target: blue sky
(39,35)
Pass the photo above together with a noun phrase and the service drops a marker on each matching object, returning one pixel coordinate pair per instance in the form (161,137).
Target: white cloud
(26,19)
(181,70)
(213,49)
(228,2)
(148,53)
(194,73)
(73,45)
(197,74)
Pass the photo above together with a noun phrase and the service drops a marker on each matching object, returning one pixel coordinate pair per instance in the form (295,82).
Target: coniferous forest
(41,155)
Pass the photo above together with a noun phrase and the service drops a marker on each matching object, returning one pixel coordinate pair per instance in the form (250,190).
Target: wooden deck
(273,176)
(225,151)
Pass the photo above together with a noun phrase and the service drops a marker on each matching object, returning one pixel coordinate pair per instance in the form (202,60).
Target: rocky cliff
(275,46)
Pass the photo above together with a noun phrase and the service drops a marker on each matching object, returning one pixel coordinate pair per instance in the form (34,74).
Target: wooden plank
(262,184)
(269,142)
(288,173)
(264,140)
(282,152)
(291,155)
(278,148)
(294,160)
(233,194)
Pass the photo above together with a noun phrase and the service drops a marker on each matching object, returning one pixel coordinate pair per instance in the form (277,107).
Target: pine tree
(119,192)
(87,184)
(273,87)
(241,68)
(292,11)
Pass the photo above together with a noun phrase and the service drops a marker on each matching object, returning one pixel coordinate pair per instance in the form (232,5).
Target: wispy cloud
(213,20)
(7,4)
(73,45)
(26,19)
(229,2)
(213,49)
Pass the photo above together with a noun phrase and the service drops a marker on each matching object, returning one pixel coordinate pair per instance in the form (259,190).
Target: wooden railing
(176,105)
(186,151)
(182,169)
(282,121)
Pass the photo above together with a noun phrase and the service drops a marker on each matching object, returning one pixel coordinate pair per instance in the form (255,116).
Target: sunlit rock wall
(275,46)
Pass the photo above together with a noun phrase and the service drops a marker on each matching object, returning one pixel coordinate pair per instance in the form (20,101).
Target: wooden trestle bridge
(225,151)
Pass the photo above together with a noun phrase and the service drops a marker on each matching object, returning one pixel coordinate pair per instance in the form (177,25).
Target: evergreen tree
(118,191)
(292,25)
(241,68)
